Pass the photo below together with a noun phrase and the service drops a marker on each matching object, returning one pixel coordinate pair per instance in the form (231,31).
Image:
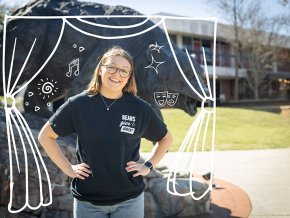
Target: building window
(186,44)
(274,86)
(197,50)
(173,38)
(225,55)
(244,63)
(207,45)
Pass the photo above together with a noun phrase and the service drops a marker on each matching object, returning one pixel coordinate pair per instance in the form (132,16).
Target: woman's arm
(158,153)
(47,138)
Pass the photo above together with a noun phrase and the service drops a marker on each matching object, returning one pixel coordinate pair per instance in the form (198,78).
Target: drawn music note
(73,68)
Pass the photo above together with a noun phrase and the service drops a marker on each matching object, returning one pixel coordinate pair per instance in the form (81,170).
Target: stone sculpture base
(158,202)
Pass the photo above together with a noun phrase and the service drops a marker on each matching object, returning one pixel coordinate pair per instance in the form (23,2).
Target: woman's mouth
(116,81)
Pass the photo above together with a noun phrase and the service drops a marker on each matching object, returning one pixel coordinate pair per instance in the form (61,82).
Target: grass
(236,129)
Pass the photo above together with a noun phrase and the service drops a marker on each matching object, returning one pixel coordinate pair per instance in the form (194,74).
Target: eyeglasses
(112,70)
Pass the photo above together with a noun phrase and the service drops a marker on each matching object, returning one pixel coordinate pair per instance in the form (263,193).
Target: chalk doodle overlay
(203,125)
(74,65)
(160,98)
(80,48)
(73,68)
(24,175)
(154,64)
(156,47)
(200,137)
(47,88)
(172,98)
(36,108)
(163,98)
(28,172)
(29,95)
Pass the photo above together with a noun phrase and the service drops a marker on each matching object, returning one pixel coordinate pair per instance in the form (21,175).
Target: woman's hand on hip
(141,169)
(80,171)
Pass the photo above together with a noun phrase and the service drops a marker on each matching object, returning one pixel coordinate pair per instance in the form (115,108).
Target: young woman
(109,121)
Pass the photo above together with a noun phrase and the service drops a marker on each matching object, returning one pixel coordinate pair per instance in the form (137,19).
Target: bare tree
(233,11)
(263,45)
(285,16)
(4,9)
(256,40)
(283,2)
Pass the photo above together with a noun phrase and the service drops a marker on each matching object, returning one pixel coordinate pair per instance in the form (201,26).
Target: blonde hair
(95,84)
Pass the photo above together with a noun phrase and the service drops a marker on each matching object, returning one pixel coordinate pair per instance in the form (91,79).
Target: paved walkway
(263,174)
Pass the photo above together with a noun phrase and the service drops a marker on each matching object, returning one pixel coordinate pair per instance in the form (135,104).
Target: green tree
(255,39)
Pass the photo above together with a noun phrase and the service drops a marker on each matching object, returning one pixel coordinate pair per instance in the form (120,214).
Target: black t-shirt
(107,140)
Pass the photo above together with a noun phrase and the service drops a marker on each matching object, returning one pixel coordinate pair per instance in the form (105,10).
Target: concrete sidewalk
(263,174)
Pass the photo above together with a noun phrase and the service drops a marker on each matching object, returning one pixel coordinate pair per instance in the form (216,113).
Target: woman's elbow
(41,136)
(45,134)
(168,139)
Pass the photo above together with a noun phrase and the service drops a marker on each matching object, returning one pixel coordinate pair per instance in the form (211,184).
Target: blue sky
(192,8)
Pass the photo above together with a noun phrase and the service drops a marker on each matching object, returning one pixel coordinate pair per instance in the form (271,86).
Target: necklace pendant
(108,106)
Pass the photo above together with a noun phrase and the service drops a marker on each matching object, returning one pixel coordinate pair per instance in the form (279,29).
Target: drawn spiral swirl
(47,87)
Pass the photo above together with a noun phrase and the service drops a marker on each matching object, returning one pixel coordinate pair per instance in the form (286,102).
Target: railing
(228,60)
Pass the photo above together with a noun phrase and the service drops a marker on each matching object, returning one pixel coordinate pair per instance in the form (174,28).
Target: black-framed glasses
(112,70)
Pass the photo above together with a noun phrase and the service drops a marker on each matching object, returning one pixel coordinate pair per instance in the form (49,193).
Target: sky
(191,8)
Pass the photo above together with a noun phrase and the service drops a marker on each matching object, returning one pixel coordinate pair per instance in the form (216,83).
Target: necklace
(108,107)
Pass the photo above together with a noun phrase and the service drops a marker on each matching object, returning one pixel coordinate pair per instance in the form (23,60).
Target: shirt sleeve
(155,129)
(62,120)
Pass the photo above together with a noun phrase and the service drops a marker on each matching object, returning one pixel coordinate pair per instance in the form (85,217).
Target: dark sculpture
(79,49)
(67,73)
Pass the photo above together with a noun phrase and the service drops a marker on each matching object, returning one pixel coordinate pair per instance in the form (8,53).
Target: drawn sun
(47,88)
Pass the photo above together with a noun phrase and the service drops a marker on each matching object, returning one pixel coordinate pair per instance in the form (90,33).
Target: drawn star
(154,64)
(156,47)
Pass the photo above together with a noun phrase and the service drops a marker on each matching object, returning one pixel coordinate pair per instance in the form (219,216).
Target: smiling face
(113,83)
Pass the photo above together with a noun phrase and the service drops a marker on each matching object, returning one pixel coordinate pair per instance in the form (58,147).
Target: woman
(109,121)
